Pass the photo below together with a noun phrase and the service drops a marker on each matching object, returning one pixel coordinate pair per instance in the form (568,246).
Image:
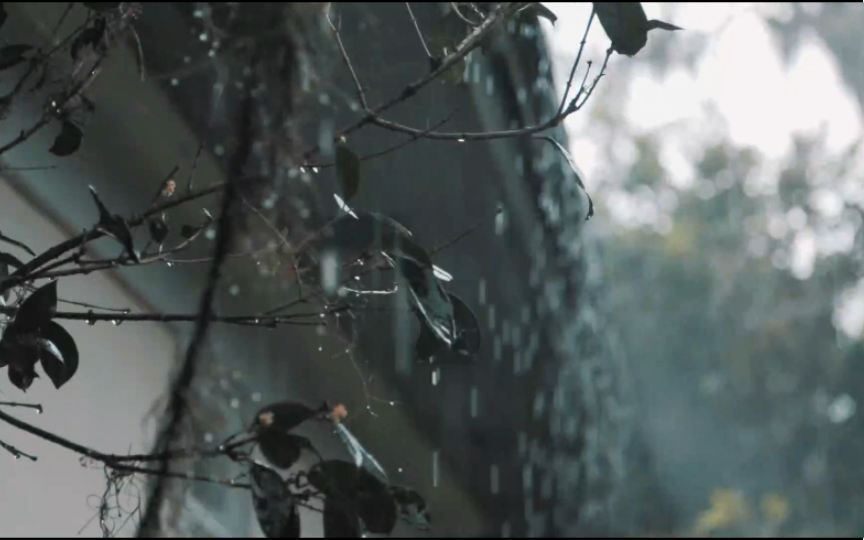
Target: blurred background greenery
(729,170)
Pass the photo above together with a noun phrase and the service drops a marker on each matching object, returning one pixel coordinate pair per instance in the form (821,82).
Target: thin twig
(35,406)
(15,452)
(396,146)
(463,234)
(417,27)
(575,64)
(471,42)
(361,94)
(23,274)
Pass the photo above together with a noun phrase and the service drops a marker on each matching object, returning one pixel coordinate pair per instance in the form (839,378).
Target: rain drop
(436,376)
(493,479)
(175,81)
(435,456)
(460,139)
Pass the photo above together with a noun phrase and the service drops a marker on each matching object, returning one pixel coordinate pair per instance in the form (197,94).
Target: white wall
(123,369)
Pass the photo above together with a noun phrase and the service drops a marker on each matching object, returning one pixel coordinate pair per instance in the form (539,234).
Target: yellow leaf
(728,508)
(775,507)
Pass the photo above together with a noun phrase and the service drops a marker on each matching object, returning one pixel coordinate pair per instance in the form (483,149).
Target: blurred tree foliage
(747,385)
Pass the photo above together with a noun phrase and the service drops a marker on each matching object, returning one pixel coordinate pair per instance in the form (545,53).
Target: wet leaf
(68,141)
(52,365)
(362,458)
(115,227)
(158,230)
(412,507)
(21,359)
(16,243)
(340,523)
(353,493)
(627,25)
(282,449)
(468,335)
(285,415)
(12,55)
(377,510)
(348,169)
(36,311)
(101,6)
(65,346)
(274,506)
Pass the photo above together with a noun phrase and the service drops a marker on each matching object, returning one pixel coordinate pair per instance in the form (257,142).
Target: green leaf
(348,169)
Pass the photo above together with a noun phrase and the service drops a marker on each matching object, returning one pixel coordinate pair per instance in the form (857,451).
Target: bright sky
(741,76)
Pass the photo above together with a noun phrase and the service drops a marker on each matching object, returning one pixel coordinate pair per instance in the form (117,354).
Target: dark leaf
(37,310)
(627,25)
(339,522)
(22,380)
(3,15)
(412,507)
(12,55)
(115,226)
(65,345)
(158,230)
(284,416)
(91,36)
(362,457)
(280,448)
(274,506)
(52,365)
(348,169)
(352,492)
(16,243)
(101,6)
(377,511)
(335,478)
(542,11)
(22,360)
(69,140)
(467,328)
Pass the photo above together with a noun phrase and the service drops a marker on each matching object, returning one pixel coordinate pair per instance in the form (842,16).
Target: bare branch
(471,42)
